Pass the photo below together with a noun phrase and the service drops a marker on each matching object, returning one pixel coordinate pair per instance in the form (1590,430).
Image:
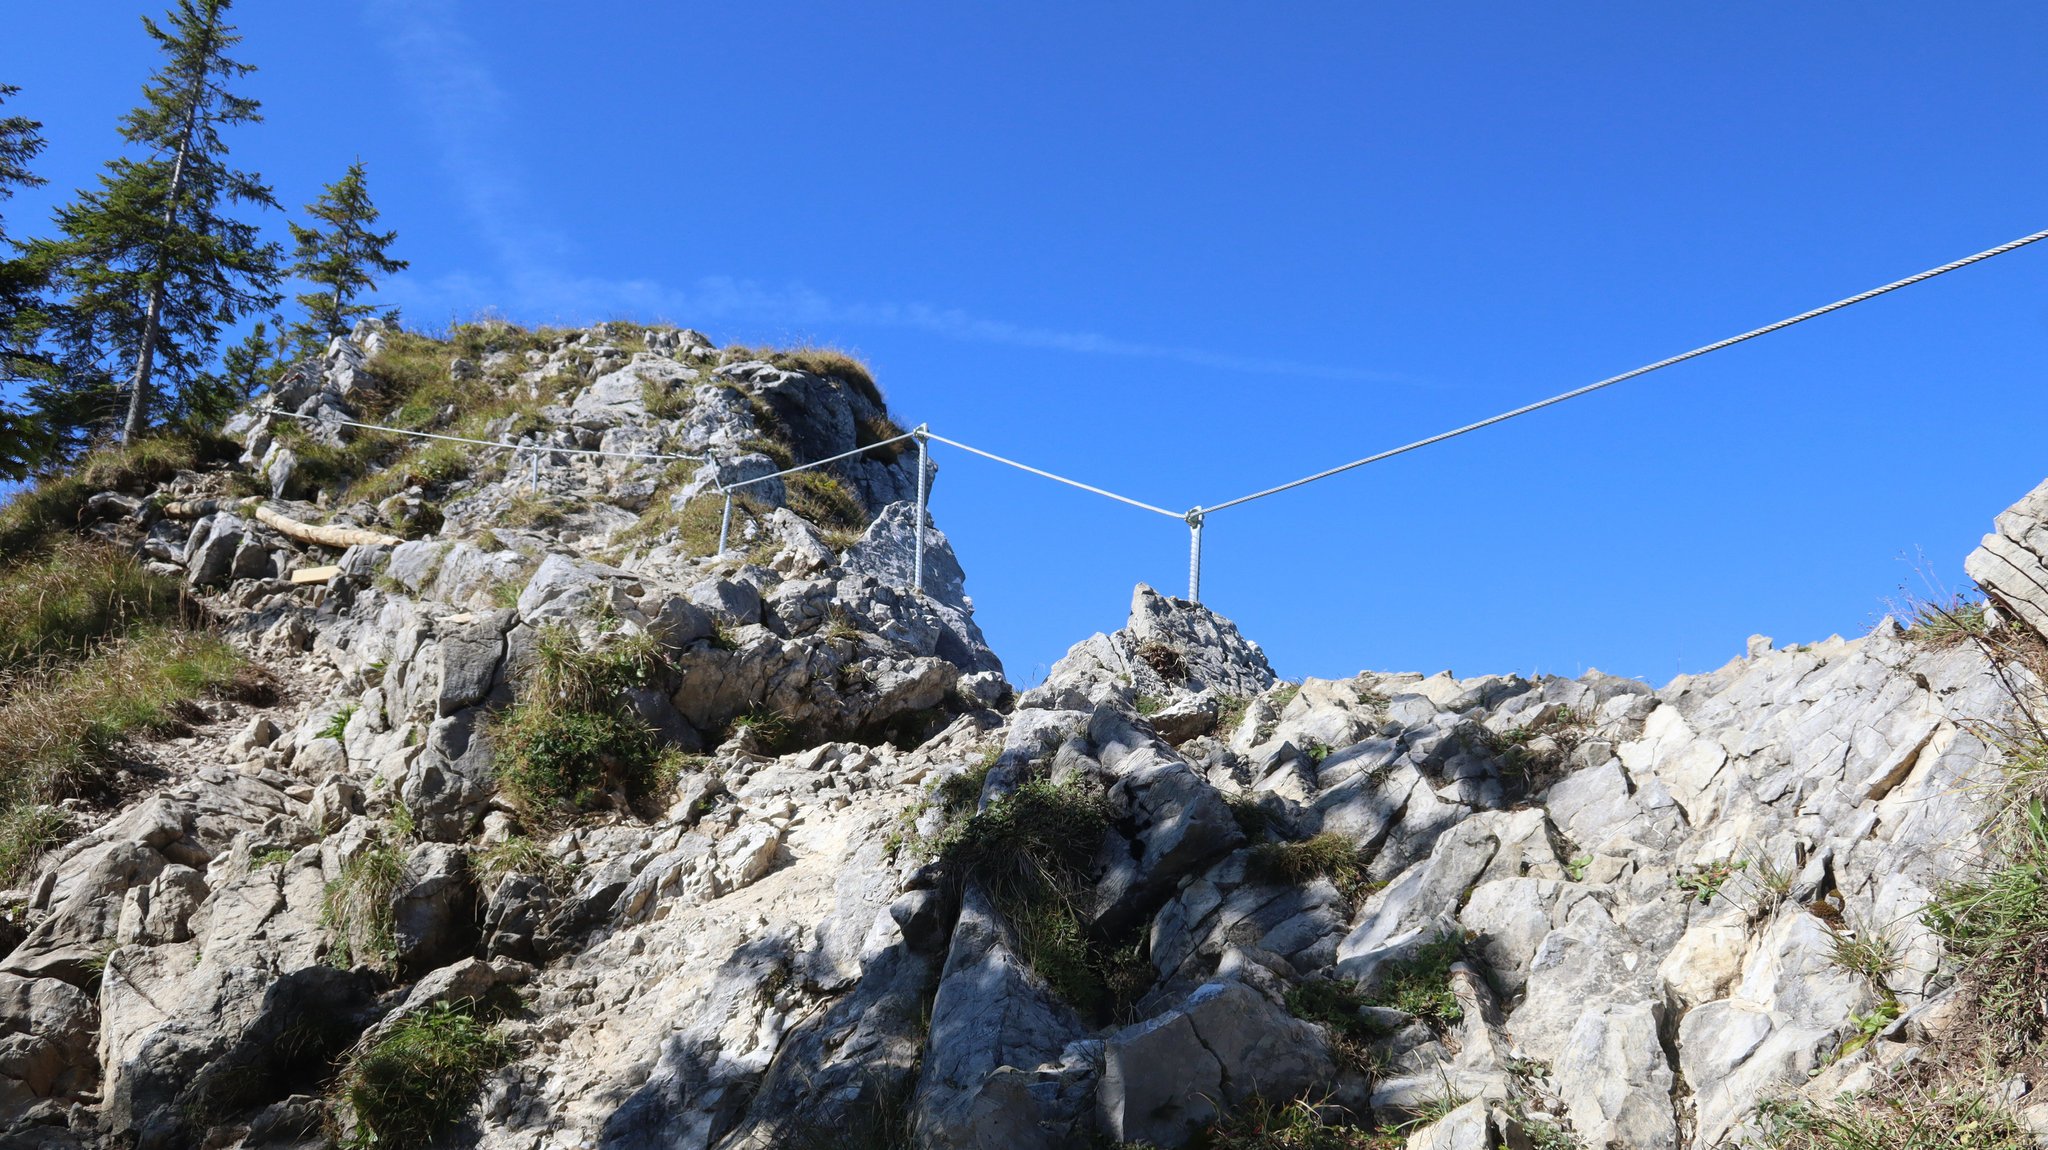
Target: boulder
(434,911)
(1165,1079)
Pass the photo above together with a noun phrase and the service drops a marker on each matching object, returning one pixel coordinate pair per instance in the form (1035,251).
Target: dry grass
(1902,1116)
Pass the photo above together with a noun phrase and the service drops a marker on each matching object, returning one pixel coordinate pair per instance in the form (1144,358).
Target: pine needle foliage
(343,255)
(23,309)
(154,261)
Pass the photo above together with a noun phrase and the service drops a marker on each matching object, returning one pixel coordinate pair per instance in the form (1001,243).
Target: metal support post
(533,473)
(725,523)
(917,548)
(1195,555)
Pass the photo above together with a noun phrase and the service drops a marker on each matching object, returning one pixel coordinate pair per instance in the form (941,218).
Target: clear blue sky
(1188,250)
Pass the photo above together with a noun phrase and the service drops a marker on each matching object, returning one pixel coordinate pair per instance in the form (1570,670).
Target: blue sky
(1186,251)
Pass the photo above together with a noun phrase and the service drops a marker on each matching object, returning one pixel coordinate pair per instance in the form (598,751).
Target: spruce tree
(22,307)
(344,259)
(152,260)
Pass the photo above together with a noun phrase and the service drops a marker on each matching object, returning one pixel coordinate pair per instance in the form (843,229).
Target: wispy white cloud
(464,109)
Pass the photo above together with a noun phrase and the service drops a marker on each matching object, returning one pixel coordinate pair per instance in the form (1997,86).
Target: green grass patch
(516,854)
(1421,983)
(832,362)
(1946,621)
(421,1077)
(1335,1003)
(1996,924)
(61,732)
(1297,1125)
(1030,850)
(1906,1118)
(38,516)
(62,602)
(27,831)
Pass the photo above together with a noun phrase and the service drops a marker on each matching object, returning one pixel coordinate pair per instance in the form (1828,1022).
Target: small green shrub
(1251,818)
(421,1077)
(1031,850)
(962,790)
(826,502)
(1704,881)
(515,854)
(570,743)
(336,727)
(1866,949)
(1230,711)
(1421,983)
(1335,1003)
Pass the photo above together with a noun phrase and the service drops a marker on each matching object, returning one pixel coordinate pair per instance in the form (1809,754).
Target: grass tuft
(60,733)
(1421,983)
(1335,1003)
(358,909)
(37,517)
(1327,855)
(1030,851)
(1906,1118)
(421,1077)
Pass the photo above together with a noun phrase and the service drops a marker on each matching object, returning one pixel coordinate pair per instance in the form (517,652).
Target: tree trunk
(145,356)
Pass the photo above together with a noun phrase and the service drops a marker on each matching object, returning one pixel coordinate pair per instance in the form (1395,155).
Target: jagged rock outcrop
(2011,562)
(1488,905)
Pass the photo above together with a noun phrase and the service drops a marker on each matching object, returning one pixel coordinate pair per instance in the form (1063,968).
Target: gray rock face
(212,548)
(1208,646)
(2012,562)
(887,552)
(1003,1049)
(47,1030)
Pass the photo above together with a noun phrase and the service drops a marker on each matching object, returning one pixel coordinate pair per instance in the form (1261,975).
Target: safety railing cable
(1610,381)
(1058,478)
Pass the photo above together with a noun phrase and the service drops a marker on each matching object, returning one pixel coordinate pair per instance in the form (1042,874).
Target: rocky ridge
(1476,911)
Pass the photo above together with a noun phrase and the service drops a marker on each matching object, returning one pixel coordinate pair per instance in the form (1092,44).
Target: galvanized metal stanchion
(725,523)
(1195,555)
(917,548)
